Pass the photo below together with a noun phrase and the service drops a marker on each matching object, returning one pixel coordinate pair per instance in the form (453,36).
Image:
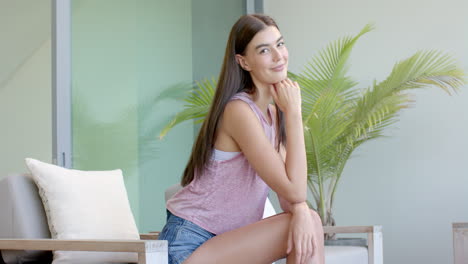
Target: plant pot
(345,241)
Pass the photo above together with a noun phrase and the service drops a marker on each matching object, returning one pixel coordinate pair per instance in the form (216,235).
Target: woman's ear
(241,61)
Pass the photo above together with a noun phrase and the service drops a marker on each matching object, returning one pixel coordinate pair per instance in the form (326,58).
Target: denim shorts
(183,237)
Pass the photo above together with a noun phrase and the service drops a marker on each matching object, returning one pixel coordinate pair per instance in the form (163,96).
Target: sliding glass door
(124,55)
(128,60)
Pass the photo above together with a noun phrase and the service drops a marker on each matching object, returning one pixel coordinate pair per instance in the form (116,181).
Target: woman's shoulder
(243,101)
(236,107)
(239,112)
(241,96)
(239,101)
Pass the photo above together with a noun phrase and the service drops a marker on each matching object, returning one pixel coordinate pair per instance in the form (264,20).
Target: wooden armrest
(85,245)
(460,225)
(352,229)
(150,236)
(149,251)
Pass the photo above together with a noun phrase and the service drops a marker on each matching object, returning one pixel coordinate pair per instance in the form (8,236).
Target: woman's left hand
(301,234)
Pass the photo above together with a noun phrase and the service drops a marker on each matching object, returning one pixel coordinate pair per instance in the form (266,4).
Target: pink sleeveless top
(229,194)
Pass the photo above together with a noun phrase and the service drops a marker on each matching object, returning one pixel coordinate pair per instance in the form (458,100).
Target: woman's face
(266,57)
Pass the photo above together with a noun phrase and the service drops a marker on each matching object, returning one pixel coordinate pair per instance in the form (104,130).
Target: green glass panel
(129,59)
(124,55)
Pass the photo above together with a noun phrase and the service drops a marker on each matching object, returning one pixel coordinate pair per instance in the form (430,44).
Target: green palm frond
(329,67)
(203,94)
(197,105)
(384,100)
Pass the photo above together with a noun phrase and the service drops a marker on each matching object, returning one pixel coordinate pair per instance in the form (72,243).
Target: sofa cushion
(22,216)
(346,254)
(85,205)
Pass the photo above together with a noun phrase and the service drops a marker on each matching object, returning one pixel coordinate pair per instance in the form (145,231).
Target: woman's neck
(262,97)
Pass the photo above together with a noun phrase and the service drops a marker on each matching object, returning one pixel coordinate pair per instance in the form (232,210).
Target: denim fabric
(183,237)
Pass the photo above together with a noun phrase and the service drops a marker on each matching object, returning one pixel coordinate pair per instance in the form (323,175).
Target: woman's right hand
(302,236)
(287,95)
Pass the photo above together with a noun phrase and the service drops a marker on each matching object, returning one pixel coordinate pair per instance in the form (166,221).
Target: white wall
(414,182)
(25,83)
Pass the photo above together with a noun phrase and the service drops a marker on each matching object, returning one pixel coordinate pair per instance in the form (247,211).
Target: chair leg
(374,246)
(156,252)
(153,258)
(142,258)
(460,243)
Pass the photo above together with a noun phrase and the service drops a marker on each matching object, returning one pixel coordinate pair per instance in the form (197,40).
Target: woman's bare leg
(261,242)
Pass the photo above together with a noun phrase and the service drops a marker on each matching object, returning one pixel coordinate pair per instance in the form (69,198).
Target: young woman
(241,152)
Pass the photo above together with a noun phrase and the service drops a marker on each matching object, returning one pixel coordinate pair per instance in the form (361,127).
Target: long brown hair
(232,79)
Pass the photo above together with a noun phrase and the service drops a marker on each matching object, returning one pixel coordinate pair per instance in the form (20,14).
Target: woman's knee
(317,221)
(315,216)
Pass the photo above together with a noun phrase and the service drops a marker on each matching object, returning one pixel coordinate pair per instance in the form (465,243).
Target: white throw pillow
(85,205)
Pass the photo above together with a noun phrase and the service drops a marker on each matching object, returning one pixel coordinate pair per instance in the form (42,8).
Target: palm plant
(337,117)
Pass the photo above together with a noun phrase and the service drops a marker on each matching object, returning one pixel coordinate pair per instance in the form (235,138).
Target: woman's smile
(279,68)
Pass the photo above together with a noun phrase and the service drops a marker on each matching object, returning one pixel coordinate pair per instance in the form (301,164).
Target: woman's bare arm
(285,205)
(287,178)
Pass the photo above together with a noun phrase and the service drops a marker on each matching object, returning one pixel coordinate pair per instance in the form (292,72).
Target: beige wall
(25,84)
(414,182)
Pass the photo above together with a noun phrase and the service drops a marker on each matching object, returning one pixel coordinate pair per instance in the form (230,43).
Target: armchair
(24,235)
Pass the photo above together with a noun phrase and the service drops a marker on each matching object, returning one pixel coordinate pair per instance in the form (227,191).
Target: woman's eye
(263,51)
(280,44)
